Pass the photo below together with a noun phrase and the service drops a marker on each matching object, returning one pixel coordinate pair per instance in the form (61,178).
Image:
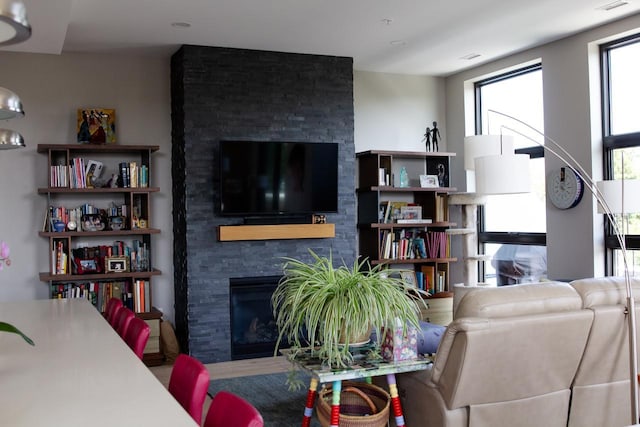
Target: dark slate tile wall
(221,93)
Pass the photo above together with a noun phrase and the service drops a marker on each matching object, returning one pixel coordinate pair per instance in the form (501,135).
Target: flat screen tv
(261,178)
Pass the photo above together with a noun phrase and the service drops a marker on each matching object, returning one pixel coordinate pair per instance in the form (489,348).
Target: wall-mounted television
(268,178)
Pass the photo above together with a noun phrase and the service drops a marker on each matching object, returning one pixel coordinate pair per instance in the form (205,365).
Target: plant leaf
(7,327)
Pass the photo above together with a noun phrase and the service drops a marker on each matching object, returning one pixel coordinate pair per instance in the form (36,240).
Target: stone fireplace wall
(221,93)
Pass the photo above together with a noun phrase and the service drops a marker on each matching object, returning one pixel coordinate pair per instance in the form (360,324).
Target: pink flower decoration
(4,250)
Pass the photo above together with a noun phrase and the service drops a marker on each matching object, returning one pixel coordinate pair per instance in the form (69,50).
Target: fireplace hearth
(253,329)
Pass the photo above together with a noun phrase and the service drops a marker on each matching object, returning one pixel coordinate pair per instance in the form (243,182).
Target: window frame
(494,237)
(611,143)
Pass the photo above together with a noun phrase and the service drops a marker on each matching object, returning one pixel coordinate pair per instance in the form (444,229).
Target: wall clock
(564,188)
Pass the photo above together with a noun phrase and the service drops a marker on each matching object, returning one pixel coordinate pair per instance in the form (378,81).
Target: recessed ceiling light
(613,5)
(470,56)
(181,24)
(397,43)
(386,21)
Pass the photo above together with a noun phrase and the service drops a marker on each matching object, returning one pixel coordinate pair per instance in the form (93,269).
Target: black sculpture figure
(435,136)
(427,139)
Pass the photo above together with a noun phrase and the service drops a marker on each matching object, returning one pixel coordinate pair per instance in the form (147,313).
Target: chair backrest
(230,410)
(111,308)
(603,374)
(115,316)
(511,348)
(188,384)
(137,336)
(125,316)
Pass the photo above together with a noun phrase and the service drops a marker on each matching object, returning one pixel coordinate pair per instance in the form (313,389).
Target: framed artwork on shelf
(409,278)
(429,181)
(440,168)
(96,126)
(116,264)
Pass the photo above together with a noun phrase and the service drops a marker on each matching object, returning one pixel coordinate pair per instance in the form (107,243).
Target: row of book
(135,296)
(133,176)
(411,244)
(80,174)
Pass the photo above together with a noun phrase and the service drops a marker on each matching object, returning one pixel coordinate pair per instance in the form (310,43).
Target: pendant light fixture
(14,28)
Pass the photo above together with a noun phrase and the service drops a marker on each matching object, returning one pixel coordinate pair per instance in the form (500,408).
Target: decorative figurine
(427,138)
(435,136)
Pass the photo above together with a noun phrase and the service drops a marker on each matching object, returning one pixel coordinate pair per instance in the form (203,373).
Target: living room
(390,111)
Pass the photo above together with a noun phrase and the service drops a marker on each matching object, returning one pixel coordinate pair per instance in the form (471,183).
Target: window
(621,139)
(512,227)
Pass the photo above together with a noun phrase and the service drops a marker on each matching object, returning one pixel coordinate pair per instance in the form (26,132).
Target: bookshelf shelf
(88,226)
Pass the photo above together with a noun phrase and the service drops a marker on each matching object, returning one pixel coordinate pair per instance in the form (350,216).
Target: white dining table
(79,373)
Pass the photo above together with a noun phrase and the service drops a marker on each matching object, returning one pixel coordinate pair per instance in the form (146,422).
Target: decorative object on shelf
(59,226)
(564,188)
(92,222)
(429,181)
(116,264)
(404,178)
(554,148)
(439,168)
(14,28)
(96,125)
(8,327)
(337,307)
(318,219)
(435,136)
(116,223)
(427,138)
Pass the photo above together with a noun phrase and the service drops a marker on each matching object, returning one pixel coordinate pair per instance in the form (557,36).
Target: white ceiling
(429,36)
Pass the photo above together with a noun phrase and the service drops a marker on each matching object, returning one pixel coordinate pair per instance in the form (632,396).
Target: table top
(362,367)
(80,372)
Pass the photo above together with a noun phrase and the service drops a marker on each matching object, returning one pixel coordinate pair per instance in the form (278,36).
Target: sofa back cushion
(510,343)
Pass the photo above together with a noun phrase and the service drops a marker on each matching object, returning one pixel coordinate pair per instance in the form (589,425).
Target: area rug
(271,396)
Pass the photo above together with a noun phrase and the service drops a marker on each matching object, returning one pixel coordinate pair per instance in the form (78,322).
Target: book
(410,212)
(414,221)
(429,272)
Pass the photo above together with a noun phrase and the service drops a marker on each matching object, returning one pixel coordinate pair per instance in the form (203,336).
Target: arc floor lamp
(500,171)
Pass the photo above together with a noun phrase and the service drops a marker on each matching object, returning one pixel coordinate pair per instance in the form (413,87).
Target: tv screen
(278,178)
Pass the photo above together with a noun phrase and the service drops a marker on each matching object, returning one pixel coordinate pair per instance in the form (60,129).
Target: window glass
(621,136)
(512,264)
(520,97)
(624,88)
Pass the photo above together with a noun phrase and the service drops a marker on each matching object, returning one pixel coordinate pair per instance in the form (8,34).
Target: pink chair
(137,336)
(230,410)
(124,318)
(115,317)
(111,308)
(188,384)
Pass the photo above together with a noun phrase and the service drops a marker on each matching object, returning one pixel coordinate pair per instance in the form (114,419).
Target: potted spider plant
(329,309)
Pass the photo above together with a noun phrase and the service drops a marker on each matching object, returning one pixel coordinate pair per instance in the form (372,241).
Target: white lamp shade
(14,26)
(485,145)
(612,194)
(503,174)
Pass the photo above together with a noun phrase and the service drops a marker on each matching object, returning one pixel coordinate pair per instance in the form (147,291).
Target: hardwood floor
(235,368)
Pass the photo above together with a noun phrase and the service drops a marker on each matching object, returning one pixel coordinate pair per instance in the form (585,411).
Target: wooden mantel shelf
(229,233)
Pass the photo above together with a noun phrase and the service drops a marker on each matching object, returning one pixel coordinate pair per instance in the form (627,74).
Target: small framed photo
(116,264)
(429,181)
(409,278)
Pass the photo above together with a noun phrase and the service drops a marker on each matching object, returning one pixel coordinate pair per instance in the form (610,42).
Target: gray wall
(220,93)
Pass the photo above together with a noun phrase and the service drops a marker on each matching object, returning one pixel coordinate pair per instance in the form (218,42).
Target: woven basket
(361,404)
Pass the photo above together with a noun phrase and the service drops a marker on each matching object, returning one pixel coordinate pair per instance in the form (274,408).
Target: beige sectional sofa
(545,354)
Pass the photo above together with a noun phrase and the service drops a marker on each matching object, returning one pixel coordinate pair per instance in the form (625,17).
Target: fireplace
(253,329)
